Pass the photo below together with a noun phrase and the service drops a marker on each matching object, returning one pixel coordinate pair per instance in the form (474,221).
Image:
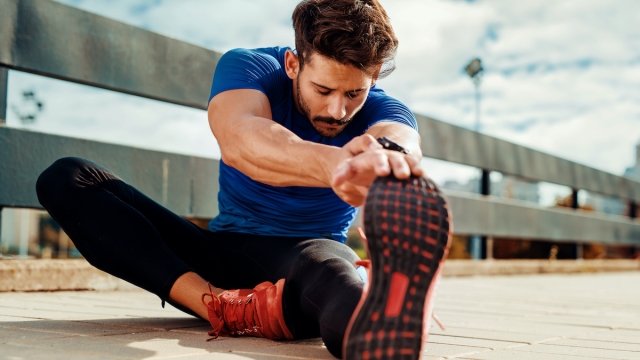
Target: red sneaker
(408,226)
(248,312)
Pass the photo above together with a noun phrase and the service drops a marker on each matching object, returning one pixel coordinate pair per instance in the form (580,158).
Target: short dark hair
(351,32)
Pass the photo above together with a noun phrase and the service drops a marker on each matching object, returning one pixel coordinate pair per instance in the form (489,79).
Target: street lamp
(474,69)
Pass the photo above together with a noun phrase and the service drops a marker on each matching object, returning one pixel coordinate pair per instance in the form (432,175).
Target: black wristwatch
(391,145)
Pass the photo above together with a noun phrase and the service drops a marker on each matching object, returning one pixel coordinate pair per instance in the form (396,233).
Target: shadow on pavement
(139,338)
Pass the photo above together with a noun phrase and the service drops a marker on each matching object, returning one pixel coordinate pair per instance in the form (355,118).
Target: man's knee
(321,248)
(59,175)
(326,258)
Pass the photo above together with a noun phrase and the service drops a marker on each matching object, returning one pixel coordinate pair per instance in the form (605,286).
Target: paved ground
(517,317)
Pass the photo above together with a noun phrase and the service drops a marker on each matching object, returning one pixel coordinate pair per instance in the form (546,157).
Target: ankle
(188,289)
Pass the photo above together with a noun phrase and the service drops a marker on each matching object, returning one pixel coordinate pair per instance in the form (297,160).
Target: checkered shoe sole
(407,224)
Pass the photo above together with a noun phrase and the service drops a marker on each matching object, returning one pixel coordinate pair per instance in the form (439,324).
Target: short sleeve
(247,69)
(381,107)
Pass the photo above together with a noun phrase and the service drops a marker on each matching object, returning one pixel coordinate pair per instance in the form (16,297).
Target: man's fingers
(405,165)
(415,165)
(371,164)
(362,143)
(401,169)
(380,162)
(352,194)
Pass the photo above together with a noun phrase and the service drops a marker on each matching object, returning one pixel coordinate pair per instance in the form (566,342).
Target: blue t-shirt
(248,206)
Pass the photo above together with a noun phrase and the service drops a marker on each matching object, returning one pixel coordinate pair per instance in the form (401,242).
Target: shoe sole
(407,224)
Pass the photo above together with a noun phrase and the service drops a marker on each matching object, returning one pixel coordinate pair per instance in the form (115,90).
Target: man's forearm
(271,154)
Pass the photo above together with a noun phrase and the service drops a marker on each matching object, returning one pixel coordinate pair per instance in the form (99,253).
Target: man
(297,132)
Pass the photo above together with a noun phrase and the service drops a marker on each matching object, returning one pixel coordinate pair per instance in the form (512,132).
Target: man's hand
(353,175)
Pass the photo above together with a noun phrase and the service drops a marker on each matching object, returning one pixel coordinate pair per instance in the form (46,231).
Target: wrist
(328,157)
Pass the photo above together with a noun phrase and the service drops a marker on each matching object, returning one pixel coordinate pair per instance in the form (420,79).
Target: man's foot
(249,312)
(408,226)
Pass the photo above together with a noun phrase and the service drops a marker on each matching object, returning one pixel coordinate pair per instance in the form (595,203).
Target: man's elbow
(230,157)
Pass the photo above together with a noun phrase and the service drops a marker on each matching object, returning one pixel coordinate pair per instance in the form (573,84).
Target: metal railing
(58,41)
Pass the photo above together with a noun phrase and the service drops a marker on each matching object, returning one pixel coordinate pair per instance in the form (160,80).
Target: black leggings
(124,233)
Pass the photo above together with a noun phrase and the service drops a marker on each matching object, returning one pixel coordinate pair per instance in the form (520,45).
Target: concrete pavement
(554,316)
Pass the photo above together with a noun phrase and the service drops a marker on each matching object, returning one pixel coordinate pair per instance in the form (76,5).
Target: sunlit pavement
(499,317)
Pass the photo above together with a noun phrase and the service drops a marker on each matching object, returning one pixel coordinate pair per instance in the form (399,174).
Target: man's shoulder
(260,69)
(379,98)
(381,107)
(269,56)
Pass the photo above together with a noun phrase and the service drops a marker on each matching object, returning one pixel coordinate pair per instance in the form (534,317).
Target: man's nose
(337,108)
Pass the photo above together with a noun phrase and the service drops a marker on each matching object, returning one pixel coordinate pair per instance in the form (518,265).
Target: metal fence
(54,40)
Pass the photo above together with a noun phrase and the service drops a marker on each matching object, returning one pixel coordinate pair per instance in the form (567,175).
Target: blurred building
(513,188)
(507,187)
(634,171)
(605,204)
(30,233)
(471,186)
(20,231)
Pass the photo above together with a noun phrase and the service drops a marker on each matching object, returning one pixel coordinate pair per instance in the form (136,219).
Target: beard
(316,121)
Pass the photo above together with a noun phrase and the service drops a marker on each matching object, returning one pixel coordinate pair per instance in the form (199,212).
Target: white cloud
(561,77)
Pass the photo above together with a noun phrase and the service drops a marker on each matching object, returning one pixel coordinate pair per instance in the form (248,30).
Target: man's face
(327,92)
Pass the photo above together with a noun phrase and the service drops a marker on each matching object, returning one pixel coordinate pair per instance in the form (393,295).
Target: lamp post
(475,71)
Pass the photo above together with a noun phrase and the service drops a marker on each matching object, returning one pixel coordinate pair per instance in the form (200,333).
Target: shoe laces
(214,308)
(231,313)
(367,265)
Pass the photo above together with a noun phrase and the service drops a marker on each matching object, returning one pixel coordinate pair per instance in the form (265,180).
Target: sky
(561,76)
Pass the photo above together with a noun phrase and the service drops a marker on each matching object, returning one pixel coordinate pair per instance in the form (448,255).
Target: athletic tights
(123,232)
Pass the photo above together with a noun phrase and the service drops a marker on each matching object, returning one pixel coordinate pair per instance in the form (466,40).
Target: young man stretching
(297,132)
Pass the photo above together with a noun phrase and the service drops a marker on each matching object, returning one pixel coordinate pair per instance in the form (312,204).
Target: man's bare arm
(268,152)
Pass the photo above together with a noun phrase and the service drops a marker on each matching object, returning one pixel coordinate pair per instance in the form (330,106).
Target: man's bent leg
(116,228)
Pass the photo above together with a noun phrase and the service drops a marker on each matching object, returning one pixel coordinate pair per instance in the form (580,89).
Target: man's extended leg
(408,229)
(408,223)
(322,286)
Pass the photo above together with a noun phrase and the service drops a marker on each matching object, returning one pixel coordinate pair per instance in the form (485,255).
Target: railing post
(485,189)
(579,250)
(478,244)
(4,80)
(488,247)
(4,77)
(633,214)
(574,199)
(485,183)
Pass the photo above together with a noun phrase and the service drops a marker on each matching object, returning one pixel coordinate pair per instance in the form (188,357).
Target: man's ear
(374,76)
(291,64)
